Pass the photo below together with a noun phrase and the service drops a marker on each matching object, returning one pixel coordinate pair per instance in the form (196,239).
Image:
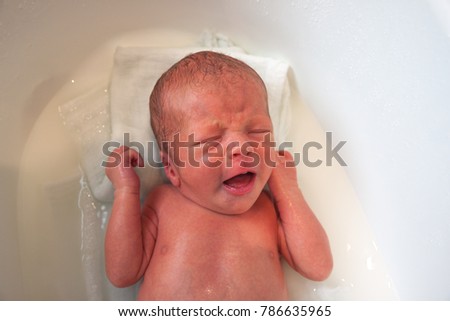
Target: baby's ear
(170,169)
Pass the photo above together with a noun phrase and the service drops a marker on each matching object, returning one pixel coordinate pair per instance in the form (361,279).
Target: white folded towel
(135,72)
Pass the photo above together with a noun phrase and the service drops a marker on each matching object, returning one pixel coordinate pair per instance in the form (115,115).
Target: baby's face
(222,155)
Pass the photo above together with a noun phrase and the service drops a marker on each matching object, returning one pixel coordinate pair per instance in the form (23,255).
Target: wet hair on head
(192,71)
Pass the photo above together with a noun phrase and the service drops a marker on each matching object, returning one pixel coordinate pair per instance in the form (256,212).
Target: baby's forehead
(206,90)
(208,73)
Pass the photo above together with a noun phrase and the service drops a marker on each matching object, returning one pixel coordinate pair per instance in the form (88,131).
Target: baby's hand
(284,175)
(119,168)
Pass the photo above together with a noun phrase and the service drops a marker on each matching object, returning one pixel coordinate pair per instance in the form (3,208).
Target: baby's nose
(234,149)
(239,146)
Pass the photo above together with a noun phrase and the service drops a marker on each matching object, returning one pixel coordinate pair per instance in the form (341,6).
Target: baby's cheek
(191,157)
(211,156)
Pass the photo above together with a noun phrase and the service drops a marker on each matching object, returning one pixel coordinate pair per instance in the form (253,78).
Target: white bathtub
(374,73)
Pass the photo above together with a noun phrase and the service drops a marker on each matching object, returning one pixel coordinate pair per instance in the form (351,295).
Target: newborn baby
(214,232)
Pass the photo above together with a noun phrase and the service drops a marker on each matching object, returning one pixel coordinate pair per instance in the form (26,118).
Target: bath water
(51,222)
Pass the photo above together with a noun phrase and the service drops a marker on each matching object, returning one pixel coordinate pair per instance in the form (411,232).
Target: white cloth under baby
(124,109)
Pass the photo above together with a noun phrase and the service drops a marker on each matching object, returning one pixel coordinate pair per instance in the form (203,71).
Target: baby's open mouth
(240,181)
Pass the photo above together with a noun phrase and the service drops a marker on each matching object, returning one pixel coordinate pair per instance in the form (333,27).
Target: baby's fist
(119,168)
(284,174)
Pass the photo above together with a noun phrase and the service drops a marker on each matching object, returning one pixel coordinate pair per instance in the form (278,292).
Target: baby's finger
(132,158)
(285,155)
(285,158)
(115,158)
(124,156)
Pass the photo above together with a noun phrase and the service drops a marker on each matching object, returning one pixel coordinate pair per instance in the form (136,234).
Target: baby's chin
(235,210)
(235,206)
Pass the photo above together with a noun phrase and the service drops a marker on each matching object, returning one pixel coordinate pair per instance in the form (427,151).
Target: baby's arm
(303,241)
(130,236)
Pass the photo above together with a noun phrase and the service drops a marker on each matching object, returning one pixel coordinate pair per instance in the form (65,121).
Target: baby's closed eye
(209,142)
(259,133)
